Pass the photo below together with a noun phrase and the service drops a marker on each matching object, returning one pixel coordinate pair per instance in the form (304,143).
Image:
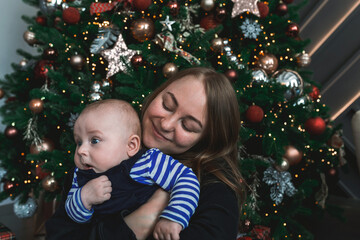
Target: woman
(195,118)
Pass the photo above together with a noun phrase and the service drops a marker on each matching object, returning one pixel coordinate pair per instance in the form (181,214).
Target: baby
(113,174)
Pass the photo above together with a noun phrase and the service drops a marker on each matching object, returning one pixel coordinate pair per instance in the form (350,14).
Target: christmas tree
(289,149)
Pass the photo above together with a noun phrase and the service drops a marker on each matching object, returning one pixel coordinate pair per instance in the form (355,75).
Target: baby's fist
(166,229)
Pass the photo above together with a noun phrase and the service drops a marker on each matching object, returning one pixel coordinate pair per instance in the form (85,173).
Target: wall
(12,30)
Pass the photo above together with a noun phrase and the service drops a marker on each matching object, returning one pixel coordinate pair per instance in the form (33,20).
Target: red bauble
(40,172)
(11,132)
(315,93)
(50,53)
(232,75)
(174,7)
(263,9)
(137,60)
(41,20)
(9,186)
(220,14)
(293,30)
(315,126)
(71,15)
(244,238)
(288,1)
(208,22)
(41,69)
(142,5)
(10,99)
(332,171)
(36,105)
(281,9)
(254,114)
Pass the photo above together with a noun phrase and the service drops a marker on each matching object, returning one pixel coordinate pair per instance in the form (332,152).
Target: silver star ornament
(167,24)
(241,6)
(118,57)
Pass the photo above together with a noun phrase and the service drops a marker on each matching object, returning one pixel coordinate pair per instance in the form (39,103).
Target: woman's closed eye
(191,126)
(169,102)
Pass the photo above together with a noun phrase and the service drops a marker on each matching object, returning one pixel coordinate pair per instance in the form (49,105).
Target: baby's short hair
(124,108)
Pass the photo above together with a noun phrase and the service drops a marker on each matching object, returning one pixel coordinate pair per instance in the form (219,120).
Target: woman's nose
(168,123)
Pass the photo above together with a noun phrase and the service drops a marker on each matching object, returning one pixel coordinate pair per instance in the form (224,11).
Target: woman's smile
(158,134)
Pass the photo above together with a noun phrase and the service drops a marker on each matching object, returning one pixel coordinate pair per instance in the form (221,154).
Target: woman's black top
(216,217)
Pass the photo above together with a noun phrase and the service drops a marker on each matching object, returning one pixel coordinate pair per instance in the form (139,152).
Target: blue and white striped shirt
(153,167)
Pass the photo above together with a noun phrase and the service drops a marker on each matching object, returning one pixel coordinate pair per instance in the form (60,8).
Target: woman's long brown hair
(217,151)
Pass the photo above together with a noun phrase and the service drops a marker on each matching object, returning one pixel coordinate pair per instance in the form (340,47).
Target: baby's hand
(166,229)
(96,191)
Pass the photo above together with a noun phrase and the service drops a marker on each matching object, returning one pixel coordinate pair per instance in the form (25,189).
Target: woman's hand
(142,221)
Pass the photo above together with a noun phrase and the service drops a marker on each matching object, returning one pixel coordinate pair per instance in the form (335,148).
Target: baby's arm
(173,177)
(80,200)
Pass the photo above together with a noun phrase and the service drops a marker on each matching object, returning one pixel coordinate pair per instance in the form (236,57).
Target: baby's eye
(78,143)
(95,141)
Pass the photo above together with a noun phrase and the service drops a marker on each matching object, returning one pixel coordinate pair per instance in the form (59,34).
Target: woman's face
(175,120)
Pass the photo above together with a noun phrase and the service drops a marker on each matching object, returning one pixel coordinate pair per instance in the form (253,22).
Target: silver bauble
(96,86)
(25,210)
(95,96)
(48,7)
(292,80)
(304,102)
(283,166)
(259,75)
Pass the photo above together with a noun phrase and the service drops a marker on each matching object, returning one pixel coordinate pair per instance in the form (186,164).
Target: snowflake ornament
(250,28)
(72,119)
(281,184)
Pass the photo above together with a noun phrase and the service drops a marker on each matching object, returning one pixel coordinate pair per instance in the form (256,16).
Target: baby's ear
(133,145)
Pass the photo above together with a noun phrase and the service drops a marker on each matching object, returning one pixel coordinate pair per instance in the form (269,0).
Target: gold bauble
(77,61)
(36,105)
(169,70)
(217,45)
(293,155)
(2,93)
(23,63)
(335,141)
(29,37)
(46,145)
(268,62)
(50,184)
(303,59)
(142,29)
(207,5)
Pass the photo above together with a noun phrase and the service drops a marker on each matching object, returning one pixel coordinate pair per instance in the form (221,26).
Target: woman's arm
(217,215)
(142,221)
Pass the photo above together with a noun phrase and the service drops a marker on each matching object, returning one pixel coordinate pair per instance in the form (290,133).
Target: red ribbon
(104,7)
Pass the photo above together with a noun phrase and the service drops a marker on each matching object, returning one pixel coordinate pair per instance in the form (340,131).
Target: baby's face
(101,140)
